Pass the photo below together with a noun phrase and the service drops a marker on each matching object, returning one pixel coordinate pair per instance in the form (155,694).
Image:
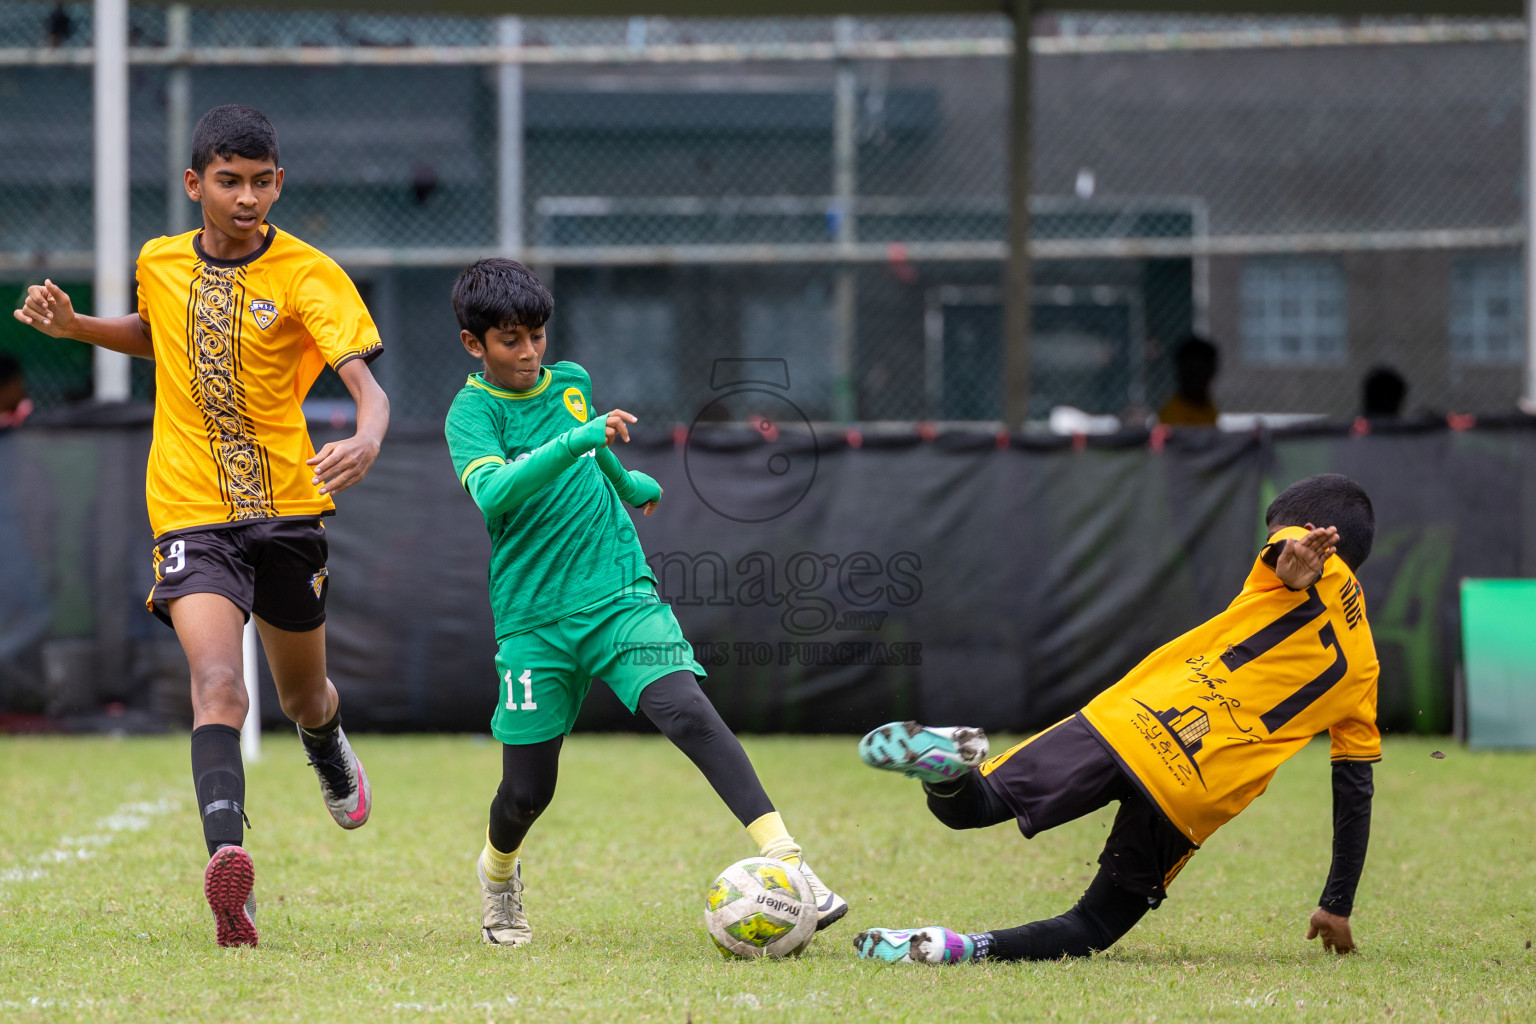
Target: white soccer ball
(760,907)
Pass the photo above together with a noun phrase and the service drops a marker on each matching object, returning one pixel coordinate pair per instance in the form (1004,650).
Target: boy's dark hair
(1195,356)
(1329,499)
(501,293)
(232,130)
(1382,392)
(10,368)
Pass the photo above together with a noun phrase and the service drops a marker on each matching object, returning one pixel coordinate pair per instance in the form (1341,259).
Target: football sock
(498,866)
(968,802)
(1105,913)
(977,946)
(773,839)
(325,753)
(219,776)
(676,705)
(321,737)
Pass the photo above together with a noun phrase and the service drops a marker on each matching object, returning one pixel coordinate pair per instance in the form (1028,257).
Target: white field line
(134,816)
(40,1003)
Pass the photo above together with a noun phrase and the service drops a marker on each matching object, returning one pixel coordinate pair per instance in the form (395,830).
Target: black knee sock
(219,776)
(686,717)
(324,753)
(528,775)
(321,737)
(1100,918)
(968,802)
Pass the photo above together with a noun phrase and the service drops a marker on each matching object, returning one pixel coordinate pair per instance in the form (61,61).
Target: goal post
(250,733)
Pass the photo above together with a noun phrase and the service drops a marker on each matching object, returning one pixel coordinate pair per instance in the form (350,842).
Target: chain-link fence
(1319,197)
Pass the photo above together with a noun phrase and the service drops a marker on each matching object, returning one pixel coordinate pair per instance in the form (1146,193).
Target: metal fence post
(509,139)
(110,191)
(178,118)
(1017,280)
(1530,205)
(845,296)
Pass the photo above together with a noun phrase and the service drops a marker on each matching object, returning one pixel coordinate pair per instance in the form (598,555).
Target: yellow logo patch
(264,311)
(317,581)
(575,403)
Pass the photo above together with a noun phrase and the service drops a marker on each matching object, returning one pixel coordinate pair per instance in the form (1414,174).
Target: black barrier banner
(827,582)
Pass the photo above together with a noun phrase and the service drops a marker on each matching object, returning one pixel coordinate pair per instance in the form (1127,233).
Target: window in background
(628,345)
(797,328)
(1487,311)
(1293,311)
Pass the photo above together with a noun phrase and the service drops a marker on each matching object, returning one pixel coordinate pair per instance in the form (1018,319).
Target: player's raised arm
(498,489)
(48,308)
(1299,562)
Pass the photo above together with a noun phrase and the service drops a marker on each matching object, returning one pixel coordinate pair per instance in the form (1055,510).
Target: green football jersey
(572,543)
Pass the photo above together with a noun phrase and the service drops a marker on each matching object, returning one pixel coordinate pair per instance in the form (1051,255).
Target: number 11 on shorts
(527,680)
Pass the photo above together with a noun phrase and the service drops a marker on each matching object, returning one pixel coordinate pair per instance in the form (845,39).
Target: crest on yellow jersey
(576,403)
(264,311)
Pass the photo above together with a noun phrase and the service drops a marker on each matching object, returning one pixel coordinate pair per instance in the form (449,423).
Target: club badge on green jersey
(575,403)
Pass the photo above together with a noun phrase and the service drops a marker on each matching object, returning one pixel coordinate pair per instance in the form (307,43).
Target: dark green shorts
(628,640)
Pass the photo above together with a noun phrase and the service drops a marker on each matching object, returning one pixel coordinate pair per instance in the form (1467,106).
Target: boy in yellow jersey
(240,318)
(1184,742)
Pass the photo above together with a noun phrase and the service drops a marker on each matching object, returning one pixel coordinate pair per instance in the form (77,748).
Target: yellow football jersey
(237,345)
(1204,721)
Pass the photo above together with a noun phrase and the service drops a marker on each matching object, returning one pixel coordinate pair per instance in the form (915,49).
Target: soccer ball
(760,907)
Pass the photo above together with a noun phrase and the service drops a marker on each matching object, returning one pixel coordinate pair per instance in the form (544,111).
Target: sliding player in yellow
(240,318)
(1184,742)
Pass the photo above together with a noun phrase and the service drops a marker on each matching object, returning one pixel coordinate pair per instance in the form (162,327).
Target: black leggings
(677,707)
(1104,914)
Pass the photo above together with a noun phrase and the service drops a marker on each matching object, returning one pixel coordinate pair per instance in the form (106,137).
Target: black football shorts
(274,569)
(1067,772)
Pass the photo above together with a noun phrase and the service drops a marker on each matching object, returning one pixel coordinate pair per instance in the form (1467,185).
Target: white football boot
(830,907)
(502,919)
(343,782)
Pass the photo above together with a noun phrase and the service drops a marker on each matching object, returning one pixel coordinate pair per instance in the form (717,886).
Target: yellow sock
(498,866)
(773,839)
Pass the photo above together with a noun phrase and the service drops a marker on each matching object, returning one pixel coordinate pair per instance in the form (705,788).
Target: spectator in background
(1195,363)
(59,26)
(26,610)
(1382,393)
(15,406)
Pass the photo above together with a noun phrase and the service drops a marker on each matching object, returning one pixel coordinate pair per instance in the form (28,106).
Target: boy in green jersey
(572,596)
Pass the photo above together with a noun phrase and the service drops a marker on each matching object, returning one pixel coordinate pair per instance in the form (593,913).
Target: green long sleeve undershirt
(633,487)
(498,490)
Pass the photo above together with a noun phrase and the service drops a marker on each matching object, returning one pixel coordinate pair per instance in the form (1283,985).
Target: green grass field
(381,925)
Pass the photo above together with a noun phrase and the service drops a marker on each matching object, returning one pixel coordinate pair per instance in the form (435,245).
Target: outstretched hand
(47,307)
(1300,564)
(1333,930)
(618,426)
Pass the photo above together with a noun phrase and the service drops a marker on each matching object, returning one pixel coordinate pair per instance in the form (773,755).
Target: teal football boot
(933,945)
(924,752)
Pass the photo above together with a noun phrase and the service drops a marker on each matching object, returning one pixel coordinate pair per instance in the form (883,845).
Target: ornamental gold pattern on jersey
(213,351)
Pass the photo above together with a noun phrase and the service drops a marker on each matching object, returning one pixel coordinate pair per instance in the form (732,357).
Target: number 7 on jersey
(527,680)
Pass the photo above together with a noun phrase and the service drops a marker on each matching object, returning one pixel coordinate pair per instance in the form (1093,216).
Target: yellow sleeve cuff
(484,460)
